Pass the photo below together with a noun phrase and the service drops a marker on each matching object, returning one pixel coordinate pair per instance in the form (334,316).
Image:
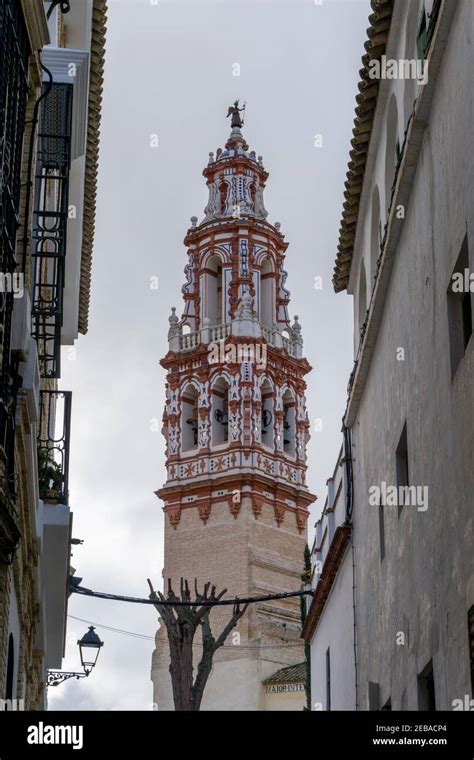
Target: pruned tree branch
(181,624)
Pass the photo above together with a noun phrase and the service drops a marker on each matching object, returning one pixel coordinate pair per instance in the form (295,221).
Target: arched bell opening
(220,412)
(289,423)
(189,418)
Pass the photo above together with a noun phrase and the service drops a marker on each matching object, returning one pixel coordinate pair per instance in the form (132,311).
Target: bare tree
(181,625)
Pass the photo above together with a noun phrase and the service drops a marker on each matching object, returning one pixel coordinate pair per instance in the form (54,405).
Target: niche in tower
(220,412)
(189,418)
(266,418)
(289,424)
(223,190)
(213,295)
(267,293)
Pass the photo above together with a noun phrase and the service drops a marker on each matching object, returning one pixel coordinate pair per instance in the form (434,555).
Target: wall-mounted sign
(283,688)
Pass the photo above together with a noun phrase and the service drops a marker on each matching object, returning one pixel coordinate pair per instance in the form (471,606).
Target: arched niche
(267,293)
(189,418)
(220,411)
(267,422)
(289,423)
(212,292)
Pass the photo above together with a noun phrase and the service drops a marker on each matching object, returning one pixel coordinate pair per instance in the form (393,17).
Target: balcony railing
(53,445)
(15,52)
(50,226)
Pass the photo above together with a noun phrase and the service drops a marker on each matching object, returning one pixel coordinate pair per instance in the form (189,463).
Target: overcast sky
(170,72)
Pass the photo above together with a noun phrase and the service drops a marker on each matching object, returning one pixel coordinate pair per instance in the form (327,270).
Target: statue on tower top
(235,112)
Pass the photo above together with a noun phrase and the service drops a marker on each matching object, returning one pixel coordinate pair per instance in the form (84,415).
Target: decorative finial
(296,327)
(174,329)
(260,160)
(235,111)
(277,226)
(211,158)
(173,319)
(194,221)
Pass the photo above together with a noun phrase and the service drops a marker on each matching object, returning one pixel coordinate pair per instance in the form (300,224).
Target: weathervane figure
(235,112)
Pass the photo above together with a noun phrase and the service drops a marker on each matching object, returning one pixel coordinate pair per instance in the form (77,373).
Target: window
(50,221)
(54,440)
(459,308)
(189,418)
(374,696)
(426,689)
(381,530)
(401,465)
(328,679)
(220,412)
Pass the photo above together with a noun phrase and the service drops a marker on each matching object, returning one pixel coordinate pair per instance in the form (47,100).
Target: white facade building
(407,229)
(59,52)
(329,625)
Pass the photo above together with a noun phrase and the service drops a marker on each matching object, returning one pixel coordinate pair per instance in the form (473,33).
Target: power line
(144,636)
(205,603)
(134,634)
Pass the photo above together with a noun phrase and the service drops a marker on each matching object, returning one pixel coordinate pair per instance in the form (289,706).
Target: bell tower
(236,429)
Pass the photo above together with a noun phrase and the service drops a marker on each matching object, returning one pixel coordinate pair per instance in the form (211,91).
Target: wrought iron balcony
(50,225)
(15,49)
(53,445)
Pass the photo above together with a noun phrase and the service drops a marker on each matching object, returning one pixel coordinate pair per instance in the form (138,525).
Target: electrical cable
(144,636)
(179,603)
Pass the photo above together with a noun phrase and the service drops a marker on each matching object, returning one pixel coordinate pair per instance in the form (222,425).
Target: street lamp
(90,641)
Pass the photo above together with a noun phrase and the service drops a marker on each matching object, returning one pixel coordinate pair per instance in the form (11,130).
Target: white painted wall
(424,586)
(335,631)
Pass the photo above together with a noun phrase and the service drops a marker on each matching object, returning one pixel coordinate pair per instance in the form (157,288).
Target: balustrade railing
(216,333)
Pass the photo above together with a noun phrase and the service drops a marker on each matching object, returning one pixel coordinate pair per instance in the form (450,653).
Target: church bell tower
(236,429)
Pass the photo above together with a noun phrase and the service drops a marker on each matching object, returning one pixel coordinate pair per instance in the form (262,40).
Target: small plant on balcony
(49,475)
